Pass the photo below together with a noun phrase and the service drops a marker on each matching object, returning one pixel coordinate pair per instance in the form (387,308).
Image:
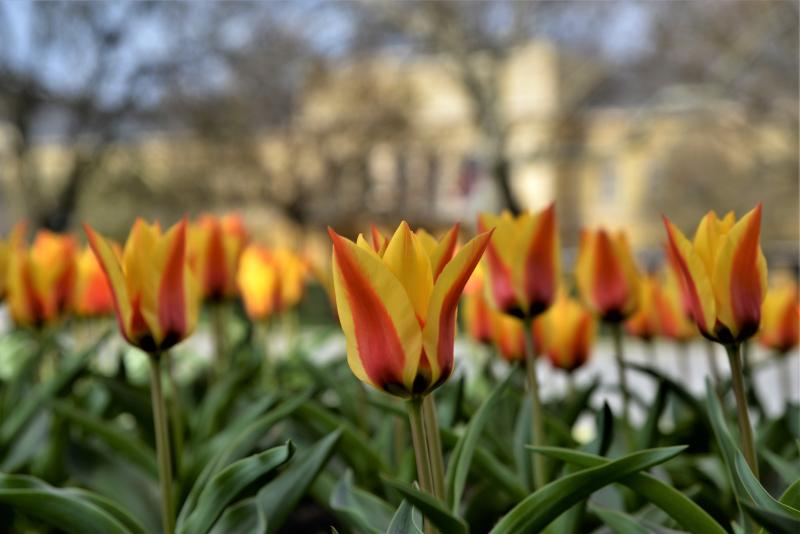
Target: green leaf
(278,498)
(673,502)
(774,522)
(121,442)
(440,516)
(543,506)
(110,507)
(228,483)
(759,496)
(365,511)
(244,517)
(403,521)
(724,439)
(35,400)
(61,508)
(788,471)
(605,432)
(620,523)
(649,433)
(461,458)
(791,496)
(238,446)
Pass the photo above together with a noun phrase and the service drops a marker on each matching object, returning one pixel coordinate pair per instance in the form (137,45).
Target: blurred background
(304,114)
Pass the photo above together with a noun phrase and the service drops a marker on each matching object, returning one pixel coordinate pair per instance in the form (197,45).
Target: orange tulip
(397,307)
(40,278)
(270,281)
(215,246)
(565,333)
(645,322)
(780,318)
(7,246)
(91,295)
(523,261)
(723,274)
(607,278)
(508,335)
(477,314)
(156,294)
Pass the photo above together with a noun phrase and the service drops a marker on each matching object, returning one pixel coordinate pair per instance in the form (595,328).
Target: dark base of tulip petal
(724,336)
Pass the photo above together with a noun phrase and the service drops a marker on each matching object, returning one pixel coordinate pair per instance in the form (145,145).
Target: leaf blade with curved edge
(673,502)
(541,507)
(461,458)
(228,483)
(792,495)
(403,520)
(279,498)
(366,512)
(111,508)
(620,523)
(440,516)
(58,507)
(244,517)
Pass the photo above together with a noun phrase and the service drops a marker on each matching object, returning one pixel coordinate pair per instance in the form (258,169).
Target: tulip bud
(723,274)
(40,278)
(780,318)
(645,323)
(565,333)
(215,245)
(156,295)
(508,335)
(397,312)
(92,294)
(522,260)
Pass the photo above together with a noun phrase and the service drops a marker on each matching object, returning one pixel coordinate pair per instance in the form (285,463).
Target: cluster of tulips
(396,301)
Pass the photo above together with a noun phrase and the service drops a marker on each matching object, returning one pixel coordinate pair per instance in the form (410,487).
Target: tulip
(397,308)
(645,323)
(508,335)
(215,246)
(724,279)
(609,285)
(780,318)
(40,278)
(91,296)
(523,261)
(156,299)
(270,281)
(565,333)
(674,317)
(7,246)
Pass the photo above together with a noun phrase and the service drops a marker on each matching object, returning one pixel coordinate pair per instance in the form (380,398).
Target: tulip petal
(406,258)
(695,281)
(541,264)
(143,262)
(740,276)
(172,298)
(443,251)
(439,332)
(499,263)
(110,263)
(379,240)
(384,339)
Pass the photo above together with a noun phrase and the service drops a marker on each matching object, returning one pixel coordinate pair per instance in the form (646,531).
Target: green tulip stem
(176,412)
(616,335)
(745,430)
(540,477)
(162,443)
(434,444)
(218,322)
(417,424)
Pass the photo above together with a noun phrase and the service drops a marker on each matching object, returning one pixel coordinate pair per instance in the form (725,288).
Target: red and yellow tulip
(7,246)
(522,260)
(723,274)
(645,322)
(156,294)
(40,278)
(565,333)
(215,246)
(477,314)
(397,307)
(508,335)
(607,278)
(780,318)
(270,281)
(91,295)
(673,313)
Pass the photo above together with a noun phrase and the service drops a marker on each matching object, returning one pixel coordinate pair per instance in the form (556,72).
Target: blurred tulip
(508,335)
(673,313)
(397,314)
(523,261)
(565,333)
(723,274)
(780,318)
(6,247)
(270,281)
(645,323)
(91,295)
(156,295)
(477,312)
(40,278)
(215,246)
(606,274)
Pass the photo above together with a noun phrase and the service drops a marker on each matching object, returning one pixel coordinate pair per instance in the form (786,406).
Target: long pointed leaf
(440,516)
